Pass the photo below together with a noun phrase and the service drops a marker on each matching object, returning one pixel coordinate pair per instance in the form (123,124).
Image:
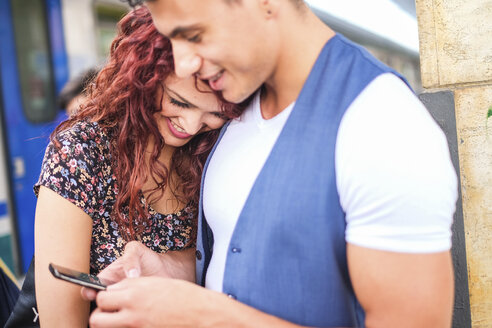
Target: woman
(126,166)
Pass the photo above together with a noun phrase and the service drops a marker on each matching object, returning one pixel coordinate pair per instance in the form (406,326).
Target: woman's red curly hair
(123,99)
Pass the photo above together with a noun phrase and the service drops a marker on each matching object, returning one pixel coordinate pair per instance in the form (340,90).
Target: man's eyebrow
(177,95)
(183,30)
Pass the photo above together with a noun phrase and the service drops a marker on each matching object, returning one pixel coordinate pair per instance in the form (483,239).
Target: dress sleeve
(69,170)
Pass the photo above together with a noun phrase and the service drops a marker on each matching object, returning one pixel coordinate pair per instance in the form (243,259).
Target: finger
(135,247)
(134,252)
(113,273)
(127,266)
(100,319)
(88,294)
(124,267)
(124,284)
(116,297)
(109,301)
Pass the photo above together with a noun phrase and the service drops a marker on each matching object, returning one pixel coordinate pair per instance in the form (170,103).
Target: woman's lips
(175,132)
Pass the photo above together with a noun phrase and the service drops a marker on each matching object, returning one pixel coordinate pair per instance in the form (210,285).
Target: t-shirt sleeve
(395,178)
(68,169)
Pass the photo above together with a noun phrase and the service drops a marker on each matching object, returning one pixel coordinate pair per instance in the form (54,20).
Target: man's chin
(234,97)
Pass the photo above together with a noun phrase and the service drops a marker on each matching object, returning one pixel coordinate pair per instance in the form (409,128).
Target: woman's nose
(192,122)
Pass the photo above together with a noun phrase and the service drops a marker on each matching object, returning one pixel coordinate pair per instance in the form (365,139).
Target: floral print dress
(81,172)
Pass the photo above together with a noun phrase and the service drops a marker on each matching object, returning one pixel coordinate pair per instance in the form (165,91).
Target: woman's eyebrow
(177,95)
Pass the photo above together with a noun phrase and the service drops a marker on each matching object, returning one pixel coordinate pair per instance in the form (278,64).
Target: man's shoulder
(355,55)
(388,88)
(343,70)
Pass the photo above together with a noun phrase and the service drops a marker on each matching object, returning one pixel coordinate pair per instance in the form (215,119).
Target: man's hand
(149,302)
(138,260)
(164,302)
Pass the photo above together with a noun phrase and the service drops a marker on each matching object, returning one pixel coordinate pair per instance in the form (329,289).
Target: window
(108,17)
(34,60)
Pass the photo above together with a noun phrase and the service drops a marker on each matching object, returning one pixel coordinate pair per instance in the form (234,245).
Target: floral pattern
(81,172)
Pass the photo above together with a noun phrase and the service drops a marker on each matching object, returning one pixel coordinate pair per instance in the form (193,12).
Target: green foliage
(489,113)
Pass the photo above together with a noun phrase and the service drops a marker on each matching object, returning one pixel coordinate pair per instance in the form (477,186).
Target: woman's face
(186,111)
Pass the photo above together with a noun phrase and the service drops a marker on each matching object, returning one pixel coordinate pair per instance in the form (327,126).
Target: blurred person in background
(74,92)
(9,292)
(125,166)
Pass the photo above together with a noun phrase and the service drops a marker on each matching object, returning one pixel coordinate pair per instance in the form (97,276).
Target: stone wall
(456,54)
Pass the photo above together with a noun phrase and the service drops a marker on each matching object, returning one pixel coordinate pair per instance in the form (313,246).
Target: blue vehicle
(33,68)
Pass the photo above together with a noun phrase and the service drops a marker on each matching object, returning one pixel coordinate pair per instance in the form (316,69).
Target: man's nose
(186,60)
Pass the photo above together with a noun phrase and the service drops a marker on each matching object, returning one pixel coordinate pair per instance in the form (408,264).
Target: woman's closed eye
(179,103)
(220,115)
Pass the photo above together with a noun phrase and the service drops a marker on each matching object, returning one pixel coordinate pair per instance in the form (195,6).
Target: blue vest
(287,255)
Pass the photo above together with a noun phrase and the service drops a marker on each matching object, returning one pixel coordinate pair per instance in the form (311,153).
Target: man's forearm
(222,311)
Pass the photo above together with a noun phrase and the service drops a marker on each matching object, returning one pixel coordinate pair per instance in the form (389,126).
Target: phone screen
(76,277)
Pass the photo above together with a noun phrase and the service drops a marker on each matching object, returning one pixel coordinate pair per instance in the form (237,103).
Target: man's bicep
(402,289)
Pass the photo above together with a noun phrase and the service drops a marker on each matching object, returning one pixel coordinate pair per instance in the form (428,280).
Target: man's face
(231,46)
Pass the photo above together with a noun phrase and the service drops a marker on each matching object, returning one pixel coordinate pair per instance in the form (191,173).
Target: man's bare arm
(402,290)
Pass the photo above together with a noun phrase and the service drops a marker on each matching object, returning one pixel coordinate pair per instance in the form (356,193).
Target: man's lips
(174,130)
(215,81)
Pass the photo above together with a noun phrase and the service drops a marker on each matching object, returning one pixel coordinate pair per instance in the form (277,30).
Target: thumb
(88,294)
(132,258)
(132,272)
(127,266)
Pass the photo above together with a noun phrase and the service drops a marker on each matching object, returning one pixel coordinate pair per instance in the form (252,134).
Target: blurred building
(393,42)
(89,27)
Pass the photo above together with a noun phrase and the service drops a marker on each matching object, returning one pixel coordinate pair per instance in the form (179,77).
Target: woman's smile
(176,130)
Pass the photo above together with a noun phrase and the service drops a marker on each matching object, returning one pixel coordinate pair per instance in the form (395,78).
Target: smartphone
(76,277)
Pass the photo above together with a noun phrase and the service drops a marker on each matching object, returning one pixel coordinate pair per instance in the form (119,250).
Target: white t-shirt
(395,179)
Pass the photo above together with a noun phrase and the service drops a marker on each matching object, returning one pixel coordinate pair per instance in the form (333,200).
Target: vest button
(236,250)
(232,296)
(198,255)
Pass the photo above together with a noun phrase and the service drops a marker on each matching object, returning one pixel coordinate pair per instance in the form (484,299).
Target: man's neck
(303,38)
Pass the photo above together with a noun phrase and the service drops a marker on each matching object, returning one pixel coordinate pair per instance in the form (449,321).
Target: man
(328,203)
